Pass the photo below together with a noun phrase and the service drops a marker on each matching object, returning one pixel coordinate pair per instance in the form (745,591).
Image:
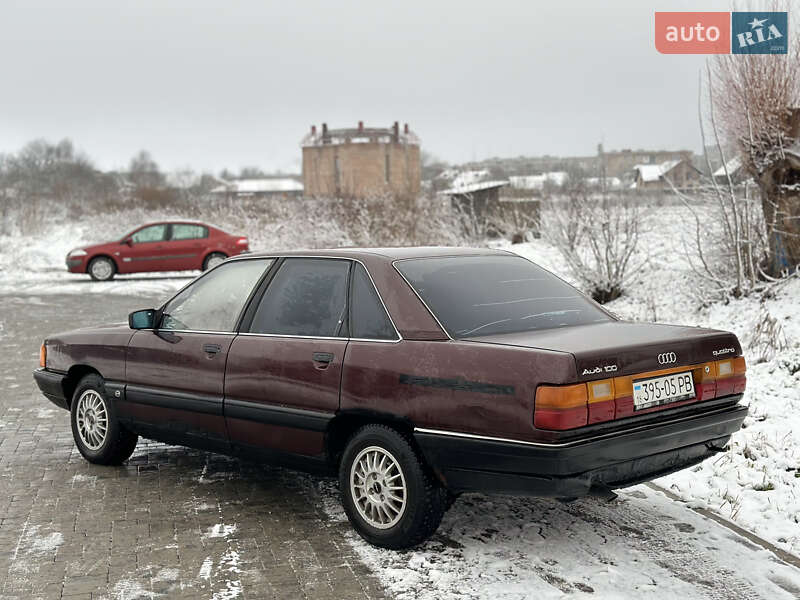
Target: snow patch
(128,589)
(205,568)
(220,530)
(167,575)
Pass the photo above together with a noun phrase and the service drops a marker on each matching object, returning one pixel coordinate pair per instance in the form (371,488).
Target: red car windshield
(486,295)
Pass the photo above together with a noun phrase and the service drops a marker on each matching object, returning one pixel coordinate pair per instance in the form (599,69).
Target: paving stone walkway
(171,523)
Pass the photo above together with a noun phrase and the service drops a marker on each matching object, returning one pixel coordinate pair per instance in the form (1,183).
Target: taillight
(43,356)
(241,241)
(601,400)
(730,375)
(561,407)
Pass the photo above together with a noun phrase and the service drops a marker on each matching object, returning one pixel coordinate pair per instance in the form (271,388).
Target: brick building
(361,162)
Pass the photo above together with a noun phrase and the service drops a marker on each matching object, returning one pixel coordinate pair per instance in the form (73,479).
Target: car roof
(179,222)
(389,254)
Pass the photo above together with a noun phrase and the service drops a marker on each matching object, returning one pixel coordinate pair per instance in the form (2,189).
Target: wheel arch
(213,251)
(342,427)
(74,375)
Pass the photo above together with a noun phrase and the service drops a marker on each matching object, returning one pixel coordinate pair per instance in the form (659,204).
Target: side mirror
(127,242)
(142,319)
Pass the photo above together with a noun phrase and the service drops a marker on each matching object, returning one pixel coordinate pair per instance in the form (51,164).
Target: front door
(285,367)
(175,374)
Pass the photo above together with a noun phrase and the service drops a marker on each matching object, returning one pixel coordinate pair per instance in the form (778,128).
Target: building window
(386,168)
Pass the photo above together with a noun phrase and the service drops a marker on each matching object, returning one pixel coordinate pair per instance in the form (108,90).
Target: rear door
(186,245)
(175,375)
(145,250)
(284,369)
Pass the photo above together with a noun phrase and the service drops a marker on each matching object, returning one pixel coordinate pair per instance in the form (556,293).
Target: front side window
(486,295)
(187,231)
(368,318)
(307,297)
(214,302)
(154,233)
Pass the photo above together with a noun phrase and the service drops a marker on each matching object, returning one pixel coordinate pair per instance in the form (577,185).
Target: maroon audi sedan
(415,373)
(164,246)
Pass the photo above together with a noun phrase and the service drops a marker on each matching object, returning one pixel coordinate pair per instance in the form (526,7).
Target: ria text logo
(667,358)
(721,32)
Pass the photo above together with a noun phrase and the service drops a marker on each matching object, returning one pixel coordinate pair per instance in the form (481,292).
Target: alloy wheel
(92,419)
(378,487)
(101,269)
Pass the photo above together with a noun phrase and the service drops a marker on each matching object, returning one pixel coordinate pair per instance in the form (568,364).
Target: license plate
(665,389)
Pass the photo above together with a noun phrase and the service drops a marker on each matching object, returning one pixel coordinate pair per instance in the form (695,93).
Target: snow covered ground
(644,545)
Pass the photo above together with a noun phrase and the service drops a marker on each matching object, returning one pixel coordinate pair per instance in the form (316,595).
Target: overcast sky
(226,84)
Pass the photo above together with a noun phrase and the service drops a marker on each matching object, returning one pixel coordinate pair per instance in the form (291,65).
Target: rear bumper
(612,460)
(51,385)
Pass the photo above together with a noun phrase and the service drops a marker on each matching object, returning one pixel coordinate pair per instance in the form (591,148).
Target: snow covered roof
(254,186)
(459,178)
(536,182)
(474,187)
(732,165)
(650,173)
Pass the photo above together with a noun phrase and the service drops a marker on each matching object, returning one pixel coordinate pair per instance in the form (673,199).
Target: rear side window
(307,296)
(187,231)
(213,302)
(368,318)
(485,295)
(154,233)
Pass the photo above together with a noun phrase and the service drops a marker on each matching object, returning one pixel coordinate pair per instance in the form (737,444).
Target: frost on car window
(188,231)
(213,302)
(154,233)
(485,295)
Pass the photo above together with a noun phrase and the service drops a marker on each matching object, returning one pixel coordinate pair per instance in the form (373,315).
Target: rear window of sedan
(485,295)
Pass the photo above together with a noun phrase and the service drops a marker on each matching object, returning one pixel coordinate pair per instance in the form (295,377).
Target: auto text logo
(721,32)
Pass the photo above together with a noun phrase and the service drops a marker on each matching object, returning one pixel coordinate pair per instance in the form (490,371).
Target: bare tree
(144,173)
(757,99)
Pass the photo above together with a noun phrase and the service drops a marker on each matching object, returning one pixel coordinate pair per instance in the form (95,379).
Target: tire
(212,260)
(89,410)
(101,268)
(397,524)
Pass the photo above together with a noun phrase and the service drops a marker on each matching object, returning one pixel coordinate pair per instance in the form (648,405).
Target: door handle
(211,348)
(322,357)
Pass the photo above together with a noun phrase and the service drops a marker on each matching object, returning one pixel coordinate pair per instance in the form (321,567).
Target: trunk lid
(614,348)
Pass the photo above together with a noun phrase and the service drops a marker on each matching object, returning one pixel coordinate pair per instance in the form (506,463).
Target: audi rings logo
(667,358)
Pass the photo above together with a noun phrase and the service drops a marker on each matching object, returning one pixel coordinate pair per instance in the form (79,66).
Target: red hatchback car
(165,246)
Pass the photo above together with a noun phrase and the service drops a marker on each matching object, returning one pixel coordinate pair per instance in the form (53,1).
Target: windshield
(485,295)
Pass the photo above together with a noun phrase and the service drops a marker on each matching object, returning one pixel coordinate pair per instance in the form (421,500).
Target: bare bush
(768,338)
(517,220)
(598,237)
